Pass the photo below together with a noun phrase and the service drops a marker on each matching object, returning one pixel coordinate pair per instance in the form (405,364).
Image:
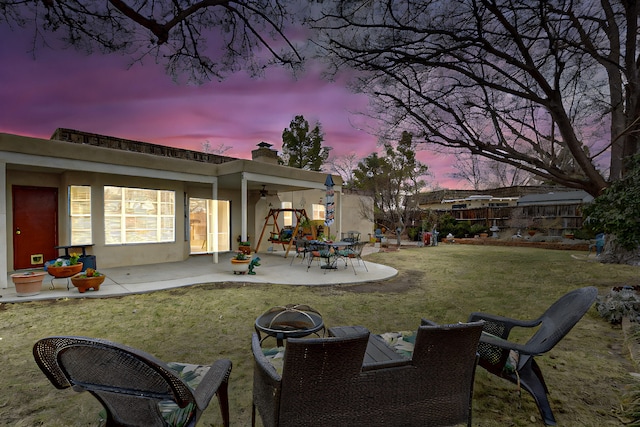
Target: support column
(3,226)
(215,231)
(244,208)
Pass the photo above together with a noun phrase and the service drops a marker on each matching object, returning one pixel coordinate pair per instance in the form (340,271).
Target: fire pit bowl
(290,321)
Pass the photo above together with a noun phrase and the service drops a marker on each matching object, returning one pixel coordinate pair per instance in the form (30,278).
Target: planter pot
(240,266)
(64,271)
(29,283)
(245,249)
(85,283)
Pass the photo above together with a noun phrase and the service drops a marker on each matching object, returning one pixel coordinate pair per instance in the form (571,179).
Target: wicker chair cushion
(402,342)
(511,364)
(275,355)
(191,375)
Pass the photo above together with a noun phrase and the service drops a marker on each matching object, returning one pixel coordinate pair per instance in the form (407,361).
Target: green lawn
(587,373)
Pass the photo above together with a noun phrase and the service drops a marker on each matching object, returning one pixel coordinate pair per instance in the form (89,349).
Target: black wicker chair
(515,362)
(325,383)
(135,388)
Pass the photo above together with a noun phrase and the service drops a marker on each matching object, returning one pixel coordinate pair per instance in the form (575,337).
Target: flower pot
(240,266)
(29,283)
(85,283)
(245,249)
(64,271)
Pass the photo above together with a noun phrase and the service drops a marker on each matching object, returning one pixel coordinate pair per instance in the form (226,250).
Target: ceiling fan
(264,193)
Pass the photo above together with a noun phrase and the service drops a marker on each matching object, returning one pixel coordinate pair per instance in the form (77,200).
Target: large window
(137,215)
(80,214)
(318,212)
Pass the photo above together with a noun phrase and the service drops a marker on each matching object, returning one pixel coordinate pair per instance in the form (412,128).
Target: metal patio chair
(350,236)
(134,387)
(321,251)
(302,248)
(351,253)
(515,362)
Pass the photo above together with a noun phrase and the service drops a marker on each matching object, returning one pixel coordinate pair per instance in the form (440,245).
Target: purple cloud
(100,94)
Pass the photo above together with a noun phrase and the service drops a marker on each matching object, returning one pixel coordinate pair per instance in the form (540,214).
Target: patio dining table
(326,250)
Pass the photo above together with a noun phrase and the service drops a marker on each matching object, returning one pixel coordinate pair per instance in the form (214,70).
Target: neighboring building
(138,203)
(443,200)
(554,209)
(579,197)
(474,201)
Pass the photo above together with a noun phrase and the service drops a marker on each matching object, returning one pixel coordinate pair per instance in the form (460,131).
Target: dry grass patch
(587,373)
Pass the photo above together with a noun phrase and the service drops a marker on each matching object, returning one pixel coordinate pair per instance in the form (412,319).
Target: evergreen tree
(302,147)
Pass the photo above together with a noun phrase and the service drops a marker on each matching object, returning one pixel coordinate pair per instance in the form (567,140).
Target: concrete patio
(199,269)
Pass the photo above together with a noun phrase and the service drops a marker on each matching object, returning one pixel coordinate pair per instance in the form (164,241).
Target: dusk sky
(98,94)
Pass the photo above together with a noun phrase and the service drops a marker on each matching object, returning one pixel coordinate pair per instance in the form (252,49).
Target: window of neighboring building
(318,212)
(80,214)
(287,216)
(138,215)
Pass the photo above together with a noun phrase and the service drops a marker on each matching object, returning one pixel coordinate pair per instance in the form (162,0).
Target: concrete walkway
(199,269)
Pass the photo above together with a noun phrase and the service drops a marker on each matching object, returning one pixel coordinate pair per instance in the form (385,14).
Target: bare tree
(220,149)
(483,173)
(550,87)
(344,166)
(195,40)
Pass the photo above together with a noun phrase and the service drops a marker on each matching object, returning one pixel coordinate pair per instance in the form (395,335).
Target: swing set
(285,236)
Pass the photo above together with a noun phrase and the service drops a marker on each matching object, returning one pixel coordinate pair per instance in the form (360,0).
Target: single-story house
(577,197)
(133,203)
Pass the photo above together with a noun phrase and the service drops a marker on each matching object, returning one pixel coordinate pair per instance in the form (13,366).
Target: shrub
(620,302)
(461,229)
(477,229)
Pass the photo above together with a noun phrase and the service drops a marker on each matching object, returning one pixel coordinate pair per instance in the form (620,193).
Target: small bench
(66,249)
(88,261)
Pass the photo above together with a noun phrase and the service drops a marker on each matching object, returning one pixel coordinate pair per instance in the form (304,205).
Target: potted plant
(28,283)
(90,279)
(240,263)
(61,267)
(244,247)
(305,226)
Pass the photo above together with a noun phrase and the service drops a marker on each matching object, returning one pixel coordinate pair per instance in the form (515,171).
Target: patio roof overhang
(48,155)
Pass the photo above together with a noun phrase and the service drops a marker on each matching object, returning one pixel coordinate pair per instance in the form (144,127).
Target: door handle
(18,230)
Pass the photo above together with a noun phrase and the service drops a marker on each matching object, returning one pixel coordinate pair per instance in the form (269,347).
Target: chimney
(265,154)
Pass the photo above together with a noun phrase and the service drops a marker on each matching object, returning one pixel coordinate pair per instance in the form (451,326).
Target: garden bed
(568,246)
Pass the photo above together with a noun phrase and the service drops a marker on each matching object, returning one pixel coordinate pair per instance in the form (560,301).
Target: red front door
(35,226)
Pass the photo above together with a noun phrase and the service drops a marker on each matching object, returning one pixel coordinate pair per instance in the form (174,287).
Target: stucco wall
(353,219)
(106,255)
